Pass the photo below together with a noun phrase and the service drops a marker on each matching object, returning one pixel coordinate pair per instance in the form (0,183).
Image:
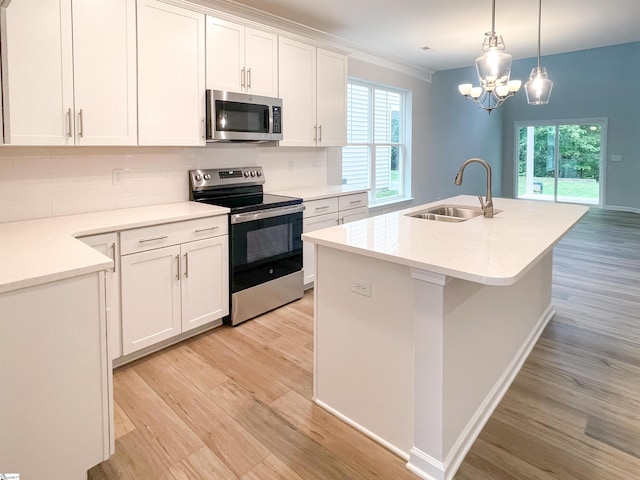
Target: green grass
(567,187)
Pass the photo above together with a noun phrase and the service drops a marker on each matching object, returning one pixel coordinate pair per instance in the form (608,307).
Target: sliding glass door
(560,162)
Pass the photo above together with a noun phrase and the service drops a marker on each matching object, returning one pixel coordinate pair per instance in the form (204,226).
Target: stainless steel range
(265,248)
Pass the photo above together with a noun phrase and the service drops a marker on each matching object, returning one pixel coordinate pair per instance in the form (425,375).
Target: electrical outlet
(116,176)
(362,287)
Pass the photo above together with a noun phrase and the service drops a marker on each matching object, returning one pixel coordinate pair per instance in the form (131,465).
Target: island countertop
(34,252)
(490,251)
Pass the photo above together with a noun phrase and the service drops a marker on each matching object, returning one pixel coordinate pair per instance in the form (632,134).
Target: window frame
(402,145)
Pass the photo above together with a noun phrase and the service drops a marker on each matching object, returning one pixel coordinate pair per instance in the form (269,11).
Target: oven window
(268,242)
(266,249)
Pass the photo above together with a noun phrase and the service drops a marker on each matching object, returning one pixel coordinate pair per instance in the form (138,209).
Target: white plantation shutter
(373,155)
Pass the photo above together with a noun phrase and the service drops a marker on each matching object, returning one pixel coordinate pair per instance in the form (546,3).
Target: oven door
(265,245)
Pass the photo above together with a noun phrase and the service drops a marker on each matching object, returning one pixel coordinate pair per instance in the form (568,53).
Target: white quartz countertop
(318,192)
(490,251)
(34,252)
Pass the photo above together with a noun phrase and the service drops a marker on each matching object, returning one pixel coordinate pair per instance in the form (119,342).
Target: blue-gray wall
(458,130)
(597,83)
(602,82)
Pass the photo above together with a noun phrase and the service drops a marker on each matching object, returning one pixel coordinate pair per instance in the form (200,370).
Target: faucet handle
(483,205)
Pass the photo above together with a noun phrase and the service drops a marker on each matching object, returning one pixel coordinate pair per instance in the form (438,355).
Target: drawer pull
(162,237)
(353,202)
(199,230)
(323,208)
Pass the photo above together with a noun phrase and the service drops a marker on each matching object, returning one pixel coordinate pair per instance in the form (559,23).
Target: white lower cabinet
(325,213)
(172,289)
(108,245)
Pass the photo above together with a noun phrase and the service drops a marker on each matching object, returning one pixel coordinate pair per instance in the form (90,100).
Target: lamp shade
(539,87)
(494,66)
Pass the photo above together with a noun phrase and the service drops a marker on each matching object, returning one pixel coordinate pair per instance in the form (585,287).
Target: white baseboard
(401,453)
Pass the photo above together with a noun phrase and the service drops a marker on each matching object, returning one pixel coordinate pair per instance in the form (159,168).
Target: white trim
(401,453)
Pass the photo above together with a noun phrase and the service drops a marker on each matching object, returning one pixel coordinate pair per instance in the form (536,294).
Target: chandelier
(494,69)
(539,87)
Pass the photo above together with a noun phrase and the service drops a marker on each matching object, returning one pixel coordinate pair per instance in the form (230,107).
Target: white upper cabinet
(171,75)
(331,91)
(313,84)
(297,80)
(69,72)
(241,59)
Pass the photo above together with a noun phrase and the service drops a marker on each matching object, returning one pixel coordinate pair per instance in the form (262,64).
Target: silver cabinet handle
(162,237)
(203,128)
(113,255)
(80,124)
(322,208)
(186,265)
(69,123)
(319,222)
(353,202)
(198,230)
(320,135)
(248,78)
(242,77)
(178,262)
(315,135)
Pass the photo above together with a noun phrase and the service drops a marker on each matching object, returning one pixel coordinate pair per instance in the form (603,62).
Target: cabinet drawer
(353,201)
(320,207)
(156,236)
(320,221)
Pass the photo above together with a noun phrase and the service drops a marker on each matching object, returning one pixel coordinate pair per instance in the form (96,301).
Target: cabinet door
(107,244)
(170,75)
(332,99)
(38,73)
(354,214)
(225,55)
(205,281)
(150,297)
(312,224)
(261,62)
(297,87)
(104,52)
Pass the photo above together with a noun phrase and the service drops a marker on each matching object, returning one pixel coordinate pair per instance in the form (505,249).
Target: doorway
(561,161)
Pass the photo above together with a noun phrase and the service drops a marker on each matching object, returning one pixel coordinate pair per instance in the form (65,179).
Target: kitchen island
(421,326)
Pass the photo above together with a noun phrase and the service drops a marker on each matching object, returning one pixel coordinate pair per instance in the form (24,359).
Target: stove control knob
(198,177)
(207,176)
(253,173)
(259,173)
(246,173)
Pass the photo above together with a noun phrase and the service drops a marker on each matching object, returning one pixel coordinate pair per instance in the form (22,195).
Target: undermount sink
(449,213)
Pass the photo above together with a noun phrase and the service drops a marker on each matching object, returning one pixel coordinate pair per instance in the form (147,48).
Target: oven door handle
(262,214)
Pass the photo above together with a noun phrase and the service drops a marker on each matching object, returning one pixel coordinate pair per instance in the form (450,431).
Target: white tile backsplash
(44,182)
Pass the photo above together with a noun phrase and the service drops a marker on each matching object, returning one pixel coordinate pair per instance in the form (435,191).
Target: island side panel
(363,345)
(54,398)
(487,333)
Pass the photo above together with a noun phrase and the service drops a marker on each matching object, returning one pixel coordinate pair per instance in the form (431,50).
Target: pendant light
(494,70)
(539,87)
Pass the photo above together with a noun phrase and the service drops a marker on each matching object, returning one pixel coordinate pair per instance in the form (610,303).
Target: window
(560,161)
(376,155)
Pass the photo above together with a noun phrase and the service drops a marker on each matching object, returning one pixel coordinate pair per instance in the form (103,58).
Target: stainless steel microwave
(242,117)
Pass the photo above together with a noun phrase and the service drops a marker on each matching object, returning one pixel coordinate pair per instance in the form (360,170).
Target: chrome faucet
(487,206)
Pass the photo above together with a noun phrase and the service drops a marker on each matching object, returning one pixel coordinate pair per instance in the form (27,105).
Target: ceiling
(454,29)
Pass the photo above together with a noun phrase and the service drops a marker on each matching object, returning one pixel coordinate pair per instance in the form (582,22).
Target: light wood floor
(234,403)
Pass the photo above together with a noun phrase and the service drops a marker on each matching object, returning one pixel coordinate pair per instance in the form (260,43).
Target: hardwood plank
(123,424)
(202,464)
(362,454)
(272,468)
(617,433)
(225,438)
